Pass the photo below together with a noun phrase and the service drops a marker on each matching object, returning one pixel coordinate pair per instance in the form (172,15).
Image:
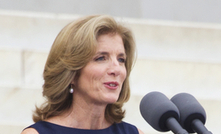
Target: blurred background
(178,49)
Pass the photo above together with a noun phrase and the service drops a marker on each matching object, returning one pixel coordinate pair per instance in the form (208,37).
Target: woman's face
(101,80)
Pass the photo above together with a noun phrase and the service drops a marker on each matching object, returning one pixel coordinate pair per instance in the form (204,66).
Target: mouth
(111,85)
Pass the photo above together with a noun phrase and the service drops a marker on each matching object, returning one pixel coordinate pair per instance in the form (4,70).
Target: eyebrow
(123,54)
(106,53)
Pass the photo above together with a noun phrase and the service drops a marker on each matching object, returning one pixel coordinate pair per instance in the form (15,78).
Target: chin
(112,100)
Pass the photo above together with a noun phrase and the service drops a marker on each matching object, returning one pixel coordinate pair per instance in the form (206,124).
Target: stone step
(173,57)
(166,76)
(16,106)
(186,41)
(11,129)
(172,77)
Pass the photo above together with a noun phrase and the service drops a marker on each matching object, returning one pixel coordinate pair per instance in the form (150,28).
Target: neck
(90,117)
(83,115)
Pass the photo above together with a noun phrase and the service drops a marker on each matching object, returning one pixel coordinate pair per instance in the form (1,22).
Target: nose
(114,68)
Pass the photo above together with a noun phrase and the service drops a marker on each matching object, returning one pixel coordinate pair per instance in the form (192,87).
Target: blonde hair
(71,51)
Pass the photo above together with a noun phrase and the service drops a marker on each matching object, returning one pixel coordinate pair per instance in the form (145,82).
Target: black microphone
(161,113)
(192,114)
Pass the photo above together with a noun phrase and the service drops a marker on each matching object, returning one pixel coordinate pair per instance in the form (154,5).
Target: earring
(71,90)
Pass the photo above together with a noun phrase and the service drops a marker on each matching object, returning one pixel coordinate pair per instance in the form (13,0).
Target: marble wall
(172,57)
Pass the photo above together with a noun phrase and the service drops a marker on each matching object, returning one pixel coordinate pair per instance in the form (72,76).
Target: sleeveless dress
(44,127)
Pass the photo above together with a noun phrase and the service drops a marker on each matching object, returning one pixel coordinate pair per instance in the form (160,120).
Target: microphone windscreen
(156,108)
(189,109)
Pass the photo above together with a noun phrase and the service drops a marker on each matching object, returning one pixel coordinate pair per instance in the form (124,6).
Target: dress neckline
(54,124)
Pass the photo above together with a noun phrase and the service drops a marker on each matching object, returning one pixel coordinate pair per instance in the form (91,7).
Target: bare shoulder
(29,131)
(140,132)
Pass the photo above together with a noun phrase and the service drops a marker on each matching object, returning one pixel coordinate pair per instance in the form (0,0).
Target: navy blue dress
(49,128)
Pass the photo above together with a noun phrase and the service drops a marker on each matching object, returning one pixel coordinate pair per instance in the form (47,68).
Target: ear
(73,82)
(75,79)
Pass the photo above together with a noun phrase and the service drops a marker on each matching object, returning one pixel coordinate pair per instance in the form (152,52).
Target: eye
(122,60)
(101,58)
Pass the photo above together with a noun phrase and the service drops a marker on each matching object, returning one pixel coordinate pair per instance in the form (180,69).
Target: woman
(87,79)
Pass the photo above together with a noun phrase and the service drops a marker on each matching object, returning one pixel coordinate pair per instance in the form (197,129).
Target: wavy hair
(72,49)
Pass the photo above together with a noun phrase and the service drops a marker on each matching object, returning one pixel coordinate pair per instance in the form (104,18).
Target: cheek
(124,74)
(94,74)
(85,77)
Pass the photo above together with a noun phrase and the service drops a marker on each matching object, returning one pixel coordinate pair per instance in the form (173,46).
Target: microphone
(161,113)
(192,114)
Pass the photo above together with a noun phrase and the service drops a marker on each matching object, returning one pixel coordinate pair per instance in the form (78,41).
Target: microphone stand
(175,127)
(199,127)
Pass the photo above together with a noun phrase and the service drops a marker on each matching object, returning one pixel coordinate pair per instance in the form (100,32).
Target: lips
(111,85)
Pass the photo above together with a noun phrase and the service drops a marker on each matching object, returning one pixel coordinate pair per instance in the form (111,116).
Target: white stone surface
(166,40)
(30,30)
(171,77)
(176,10)
(34,62)
(11,129)
(10,67)
(21,103)
(172,57)
(177,41)
(17,105)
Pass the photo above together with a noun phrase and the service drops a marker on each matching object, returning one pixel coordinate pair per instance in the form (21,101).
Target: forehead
(110,42)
